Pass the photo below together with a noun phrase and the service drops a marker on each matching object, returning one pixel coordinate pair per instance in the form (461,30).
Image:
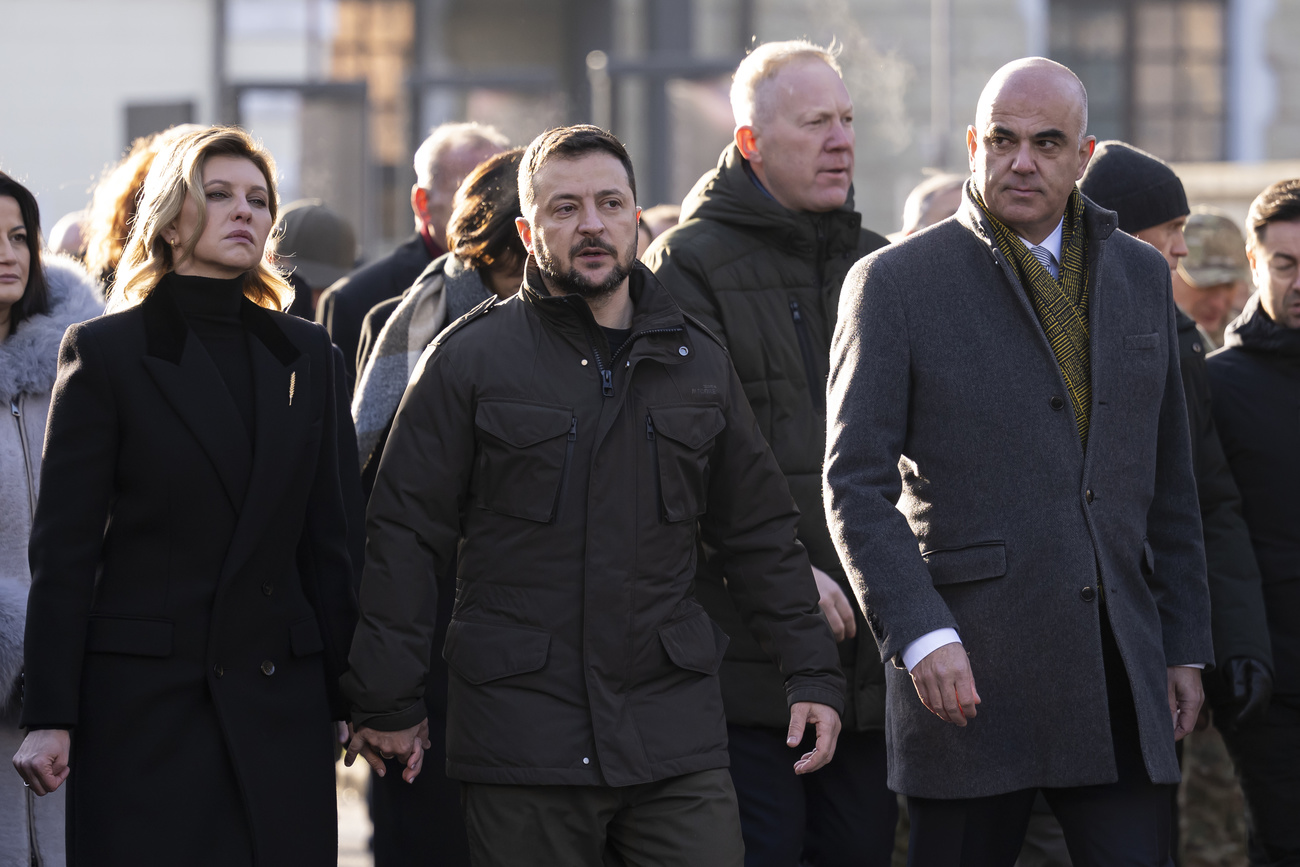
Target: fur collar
(29,357)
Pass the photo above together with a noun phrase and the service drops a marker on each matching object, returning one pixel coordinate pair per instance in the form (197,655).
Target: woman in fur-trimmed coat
(31,829)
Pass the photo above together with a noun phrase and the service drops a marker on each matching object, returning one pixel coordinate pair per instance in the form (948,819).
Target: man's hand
(1185,697)
(946,685)
(42,759)
(827,723)
(376,746)
(835,605)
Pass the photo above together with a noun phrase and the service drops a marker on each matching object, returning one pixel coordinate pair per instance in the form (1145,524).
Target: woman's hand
(42,760)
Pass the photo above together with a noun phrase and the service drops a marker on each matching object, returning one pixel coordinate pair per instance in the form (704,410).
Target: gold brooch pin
(293,380)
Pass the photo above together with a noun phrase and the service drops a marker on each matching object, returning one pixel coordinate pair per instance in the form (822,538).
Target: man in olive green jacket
(764,243)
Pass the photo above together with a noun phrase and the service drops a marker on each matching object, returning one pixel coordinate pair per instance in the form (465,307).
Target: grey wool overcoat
(959,495)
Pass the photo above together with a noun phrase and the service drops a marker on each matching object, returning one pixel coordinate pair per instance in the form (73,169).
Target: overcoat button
(1196,347)
(1056,402)
(268,667)
(268,588)
(218,670)
(586,761)
(1087,495)
(682,350)
(1087,594)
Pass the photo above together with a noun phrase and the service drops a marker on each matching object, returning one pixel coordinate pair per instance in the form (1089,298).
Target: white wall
(70,67)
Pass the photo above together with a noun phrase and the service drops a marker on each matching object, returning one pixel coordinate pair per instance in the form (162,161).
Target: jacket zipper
(564,473)
(821,254)
(16,409)
(607,373)
(806,350)
(654,460)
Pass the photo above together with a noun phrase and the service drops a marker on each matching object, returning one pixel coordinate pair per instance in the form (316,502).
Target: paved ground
(354,820)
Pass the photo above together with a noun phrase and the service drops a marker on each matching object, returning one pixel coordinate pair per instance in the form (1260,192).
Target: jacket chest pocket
(524,452)
(681,438)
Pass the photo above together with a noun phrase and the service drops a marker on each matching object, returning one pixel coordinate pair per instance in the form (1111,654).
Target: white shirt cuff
(1200,665)
(927,644)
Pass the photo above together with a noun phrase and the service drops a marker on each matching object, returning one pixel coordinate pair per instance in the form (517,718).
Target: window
(1154,69)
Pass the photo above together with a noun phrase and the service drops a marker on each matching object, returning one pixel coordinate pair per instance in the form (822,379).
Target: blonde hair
(763,63)
(112,207)
(177,172)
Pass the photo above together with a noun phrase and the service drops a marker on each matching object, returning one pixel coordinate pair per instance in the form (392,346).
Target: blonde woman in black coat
(191,605)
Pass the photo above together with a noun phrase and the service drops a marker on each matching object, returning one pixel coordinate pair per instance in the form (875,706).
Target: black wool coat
(1237,620)
(1256,383)
(192,605)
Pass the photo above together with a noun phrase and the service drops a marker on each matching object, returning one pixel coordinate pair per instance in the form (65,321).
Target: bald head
(1036,76)
(1029,144)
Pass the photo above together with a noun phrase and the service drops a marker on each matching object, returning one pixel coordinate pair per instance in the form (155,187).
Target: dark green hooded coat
(766,280)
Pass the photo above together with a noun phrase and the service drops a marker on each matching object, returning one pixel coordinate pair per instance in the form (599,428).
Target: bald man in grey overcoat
(1009,485)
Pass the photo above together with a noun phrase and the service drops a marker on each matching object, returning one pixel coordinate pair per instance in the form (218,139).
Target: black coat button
(218,670)
(1087,594)
(1087,495)
(1056,402)
(268,667)
(268,588)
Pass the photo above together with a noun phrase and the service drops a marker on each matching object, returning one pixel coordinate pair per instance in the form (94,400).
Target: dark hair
(36,297)
(569,142)
(481,231)
(1279,203)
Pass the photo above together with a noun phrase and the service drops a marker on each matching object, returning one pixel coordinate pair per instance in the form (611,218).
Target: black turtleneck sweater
(211,308)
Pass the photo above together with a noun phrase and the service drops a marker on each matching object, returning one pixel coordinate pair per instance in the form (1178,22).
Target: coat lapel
(282,412)
(190,382)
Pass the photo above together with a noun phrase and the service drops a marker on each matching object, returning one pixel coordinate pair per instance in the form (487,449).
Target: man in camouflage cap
(1214,270)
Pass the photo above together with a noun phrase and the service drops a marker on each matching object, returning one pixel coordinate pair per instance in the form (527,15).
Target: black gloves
(1250,686)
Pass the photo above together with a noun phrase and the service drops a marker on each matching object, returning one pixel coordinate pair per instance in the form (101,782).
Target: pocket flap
(972,563)
(692,426)
(695,644)
(480,652)
(304,637)
(522,424)
(136,636)
(1142,341)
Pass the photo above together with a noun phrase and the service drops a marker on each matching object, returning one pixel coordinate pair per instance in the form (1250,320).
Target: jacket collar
(652,307)
(166,331)
(1255,331)
(1098,223)
(729,195)
(192,385)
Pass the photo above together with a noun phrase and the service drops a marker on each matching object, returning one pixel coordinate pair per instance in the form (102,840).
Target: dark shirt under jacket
(343,306)
(211,308)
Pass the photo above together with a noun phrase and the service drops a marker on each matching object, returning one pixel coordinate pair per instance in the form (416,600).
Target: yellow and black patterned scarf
(1061,305)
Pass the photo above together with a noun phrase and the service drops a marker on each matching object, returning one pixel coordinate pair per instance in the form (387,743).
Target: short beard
(574,282)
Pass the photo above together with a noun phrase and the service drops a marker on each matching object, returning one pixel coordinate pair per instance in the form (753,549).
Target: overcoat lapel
(1098,224)
(282,413)
(191,383)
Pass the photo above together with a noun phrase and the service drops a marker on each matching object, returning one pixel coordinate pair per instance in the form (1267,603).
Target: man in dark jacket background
(1256,383)
(570,446)
(442,161)
(759,256)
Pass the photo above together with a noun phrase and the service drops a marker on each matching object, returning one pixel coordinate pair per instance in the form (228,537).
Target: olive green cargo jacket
(574,486)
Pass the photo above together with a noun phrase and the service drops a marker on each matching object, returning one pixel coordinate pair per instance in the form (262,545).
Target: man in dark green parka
(759,256)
